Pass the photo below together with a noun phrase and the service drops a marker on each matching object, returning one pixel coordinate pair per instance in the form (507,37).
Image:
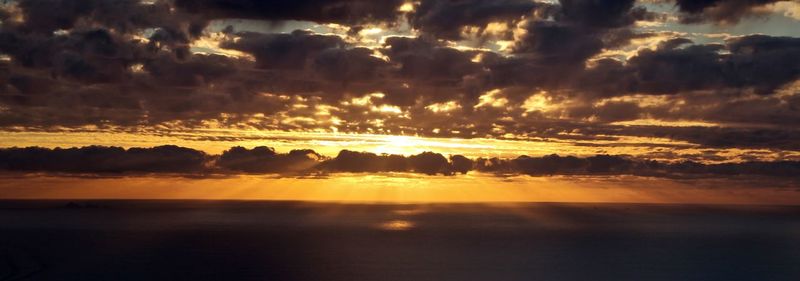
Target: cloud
(719,11)
(170,159)
(430,163)
(346,65)
(551,52)
(360,162)
(309,64)
(601,14)
(559,165)
(461,164)
(755,61)
(351,12)
(263,159)
(352,161)
(622,165)
(89,56)
(447,19)
(764,62)
(283,51)
(102,160)
(558,43)
(430,71)
(200,70)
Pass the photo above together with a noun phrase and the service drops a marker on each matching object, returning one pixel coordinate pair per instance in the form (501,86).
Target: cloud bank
(103,160)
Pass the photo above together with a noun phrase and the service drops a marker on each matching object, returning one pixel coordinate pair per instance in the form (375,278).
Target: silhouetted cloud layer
(101,159)
(263,159)
(572,69)
(171,159)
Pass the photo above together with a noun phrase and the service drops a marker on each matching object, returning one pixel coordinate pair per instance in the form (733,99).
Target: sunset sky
(431,100)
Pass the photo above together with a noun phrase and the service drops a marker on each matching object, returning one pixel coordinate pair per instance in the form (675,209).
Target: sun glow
(214,141)
(399,145)
(407,145)
(397,188)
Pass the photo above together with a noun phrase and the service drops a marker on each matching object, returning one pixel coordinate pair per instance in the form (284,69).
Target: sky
(434,93)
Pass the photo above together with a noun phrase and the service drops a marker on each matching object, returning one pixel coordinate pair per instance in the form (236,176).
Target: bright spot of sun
(399,144)
(408,145)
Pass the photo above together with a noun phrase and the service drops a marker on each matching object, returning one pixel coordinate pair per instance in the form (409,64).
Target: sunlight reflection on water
(396,225)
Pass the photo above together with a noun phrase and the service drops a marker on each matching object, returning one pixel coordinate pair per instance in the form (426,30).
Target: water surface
(261,240)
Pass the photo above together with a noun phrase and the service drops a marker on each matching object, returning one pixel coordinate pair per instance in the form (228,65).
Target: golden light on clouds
(370,31)
(443,107)
(390,109)
(671,123)
(538,102)
(406,7)
(492,98)
(364,100)
(789,9)
(210,44)
(327,143)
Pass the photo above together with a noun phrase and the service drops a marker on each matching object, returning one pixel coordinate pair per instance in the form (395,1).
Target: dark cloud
(171,27)
(200,70)
(101,159)
(46,16)
(581,28)
(284,51)
(351,12)
(74,64)
(558,43)
(553,52)
(430,163)
(621,165)
(734,137)
(461,164)
(763,62)
(611,111)
(424,60)
(346,65)
(91,56)
(264,159)
(446,19)
(601,14)
(561,165)
(359,162)
(675,70)
(428,70)
(311,64)
(719,11)
(758,62)
(548,165)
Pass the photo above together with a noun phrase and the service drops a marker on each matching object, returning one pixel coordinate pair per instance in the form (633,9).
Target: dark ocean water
(204,240)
